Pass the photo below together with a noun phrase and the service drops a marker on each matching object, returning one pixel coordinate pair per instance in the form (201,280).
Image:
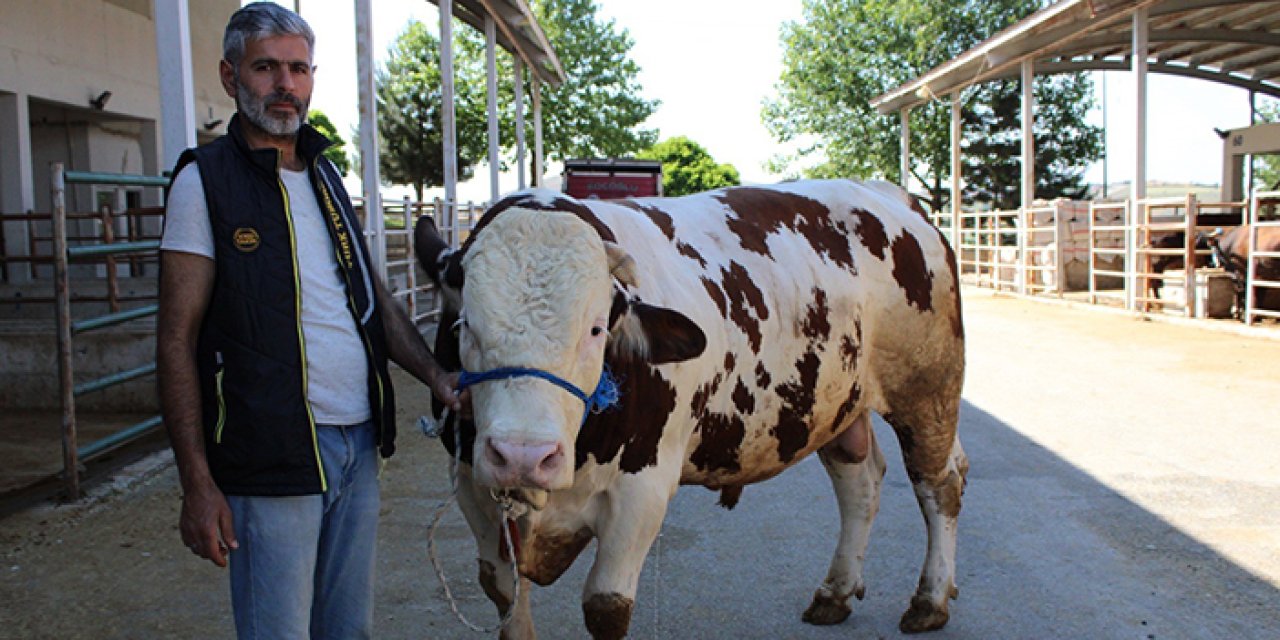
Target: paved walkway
(1124,485)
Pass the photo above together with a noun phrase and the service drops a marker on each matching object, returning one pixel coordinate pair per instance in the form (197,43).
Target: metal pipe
(66,385)
(90,251)
(119,437)
(114,379)
(124,179)
(89,324)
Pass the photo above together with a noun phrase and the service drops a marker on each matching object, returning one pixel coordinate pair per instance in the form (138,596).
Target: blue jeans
(305,563)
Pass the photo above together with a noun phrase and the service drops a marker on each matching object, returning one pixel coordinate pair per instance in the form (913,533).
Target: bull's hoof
(608,615)
(923,615)
(826,609)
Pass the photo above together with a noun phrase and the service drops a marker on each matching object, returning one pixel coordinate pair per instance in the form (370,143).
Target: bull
(616,350)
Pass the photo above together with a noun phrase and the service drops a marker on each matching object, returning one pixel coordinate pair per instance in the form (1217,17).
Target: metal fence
(68,327)
(1111,250)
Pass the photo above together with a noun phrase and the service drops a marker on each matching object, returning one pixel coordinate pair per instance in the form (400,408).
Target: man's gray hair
(262,20)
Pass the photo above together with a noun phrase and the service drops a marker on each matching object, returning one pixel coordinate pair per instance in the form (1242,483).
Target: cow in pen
(615,350)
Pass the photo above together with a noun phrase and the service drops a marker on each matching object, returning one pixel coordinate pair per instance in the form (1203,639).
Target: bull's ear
(442,264)
(657,335)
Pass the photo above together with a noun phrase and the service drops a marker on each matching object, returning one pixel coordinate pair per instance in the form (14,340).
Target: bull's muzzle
(522,465)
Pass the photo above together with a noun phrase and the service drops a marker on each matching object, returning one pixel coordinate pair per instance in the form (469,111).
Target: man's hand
(445,387)
(206,525)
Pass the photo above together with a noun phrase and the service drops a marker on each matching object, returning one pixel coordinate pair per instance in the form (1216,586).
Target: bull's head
(542,300)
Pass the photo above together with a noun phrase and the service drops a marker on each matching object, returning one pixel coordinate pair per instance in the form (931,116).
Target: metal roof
(518,32)
(1231,42)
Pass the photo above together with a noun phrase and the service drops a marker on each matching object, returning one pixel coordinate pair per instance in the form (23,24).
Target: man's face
(272,84)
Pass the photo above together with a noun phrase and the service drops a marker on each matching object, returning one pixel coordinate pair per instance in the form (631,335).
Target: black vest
(259,432)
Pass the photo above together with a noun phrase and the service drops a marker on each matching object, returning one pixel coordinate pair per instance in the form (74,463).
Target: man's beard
(255,109)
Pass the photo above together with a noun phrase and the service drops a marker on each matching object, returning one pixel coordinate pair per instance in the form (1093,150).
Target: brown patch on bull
(688,251)
(871,232)
(847,407)
(743,292)
(816,325)
(608,615)
(957,319)
(764,211)
(949,494)
(763,379)
(729,361)
(717,296)
(702,396)
(743,401)
(660,218)
(489,582)
(631,431)
(549,555)
(720,440)
(906,441)
(792,430)
(848,352)
(729,496)
(912,274)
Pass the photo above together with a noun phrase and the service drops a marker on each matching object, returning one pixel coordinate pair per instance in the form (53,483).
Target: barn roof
(518,32)
(1232,42)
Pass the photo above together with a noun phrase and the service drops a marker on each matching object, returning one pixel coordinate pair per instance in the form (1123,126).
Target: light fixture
(100,102)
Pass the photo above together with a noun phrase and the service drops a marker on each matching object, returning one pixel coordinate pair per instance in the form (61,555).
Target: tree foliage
(337,153)
(1266,168)
(598,110)
(844,53)
(688,168)
(410,129)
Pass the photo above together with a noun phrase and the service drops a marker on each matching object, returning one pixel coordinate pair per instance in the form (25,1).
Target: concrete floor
(1123,485)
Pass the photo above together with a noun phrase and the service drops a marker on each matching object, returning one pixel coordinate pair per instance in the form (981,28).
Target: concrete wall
(29,366)
(68,51)
(58,55)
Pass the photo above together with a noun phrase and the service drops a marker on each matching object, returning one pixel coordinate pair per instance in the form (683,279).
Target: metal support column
(369,179)
(491,102)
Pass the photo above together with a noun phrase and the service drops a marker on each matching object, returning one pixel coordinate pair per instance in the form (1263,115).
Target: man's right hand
(206,525)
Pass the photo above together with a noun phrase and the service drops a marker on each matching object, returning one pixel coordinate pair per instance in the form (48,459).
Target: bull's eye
(597,331)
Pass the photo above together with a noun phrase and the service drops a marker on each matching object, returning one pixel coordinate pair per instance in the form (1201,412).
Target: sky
(711,63)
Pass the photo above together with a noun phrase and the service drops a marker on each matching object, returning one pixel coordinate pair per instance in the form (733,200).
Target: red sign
(609,187)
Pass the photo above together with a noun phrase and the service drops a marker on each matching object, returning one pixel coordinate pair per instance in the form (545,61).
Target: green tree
(844,53)
(1266,167)
(410,130)
(337,153)
(598,110)
(688,168)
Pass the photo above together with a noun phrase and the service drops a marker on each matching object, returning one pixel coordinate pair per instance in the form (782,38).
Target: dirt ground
(112,565)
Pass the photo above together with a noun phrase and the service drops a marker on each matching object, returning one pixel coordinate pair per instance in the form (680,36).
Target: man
(273,340)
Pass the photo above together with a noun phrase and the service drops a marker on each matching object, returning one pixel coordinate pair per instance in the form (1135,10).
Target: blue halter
(605,395)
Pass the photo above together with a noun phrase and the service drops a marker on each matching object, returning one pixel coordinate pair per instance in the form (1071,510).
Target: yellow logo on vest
(246,239)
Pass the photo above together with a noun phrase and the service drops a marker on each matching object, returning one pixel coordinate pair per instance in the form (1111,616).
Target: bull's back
(814,296)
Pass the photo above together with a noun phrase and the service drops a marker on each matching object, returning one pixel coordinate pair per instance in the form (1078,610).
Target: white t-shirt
(336,387)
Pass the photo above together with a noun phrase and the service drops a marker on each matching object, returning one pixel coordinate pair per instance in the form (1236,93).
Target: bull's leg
(629,521)
(937,466)
(496,575)
(856,468)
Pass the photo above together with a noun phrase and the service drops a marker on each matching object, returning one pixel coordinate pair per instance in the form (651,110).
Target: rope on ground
(435,521)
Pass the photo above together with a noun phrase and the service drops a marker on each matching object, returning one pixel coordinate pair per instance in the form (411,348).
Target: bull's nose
(522,464)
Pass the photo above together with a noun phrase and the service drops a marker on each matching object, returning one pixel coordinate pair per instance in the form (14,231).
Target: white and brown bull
(747,328)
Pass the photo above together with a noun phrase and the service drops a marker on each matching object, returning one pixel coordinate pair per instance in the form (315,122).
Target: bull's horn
(621,265)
